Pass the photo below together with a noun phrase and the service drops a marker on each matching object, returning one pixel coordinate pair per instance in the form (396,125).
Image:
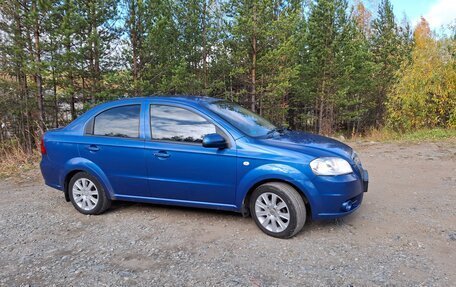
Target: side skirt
(178,202)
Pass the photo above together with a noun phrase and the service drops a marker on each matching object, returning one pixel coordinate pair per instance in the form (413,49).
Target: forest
(324,66)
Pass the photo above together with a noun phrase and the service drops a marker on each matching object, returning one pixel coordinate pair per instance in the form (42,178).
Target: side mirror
(214,140)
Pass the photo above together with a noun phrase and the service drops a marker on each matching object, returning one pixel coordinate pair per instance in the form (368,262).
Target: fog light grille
(347,206)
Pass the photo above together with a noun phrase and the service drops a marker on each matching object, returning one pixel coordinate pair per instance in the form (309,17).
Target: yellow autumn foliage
(425,94)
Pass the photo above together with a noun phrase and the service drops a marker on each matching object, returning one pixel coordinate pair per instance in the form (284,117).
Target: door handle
(93,147)
(162,154)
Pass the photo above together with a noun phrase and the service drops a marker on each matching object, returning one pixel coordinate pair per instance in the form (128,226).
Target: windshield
(243,119)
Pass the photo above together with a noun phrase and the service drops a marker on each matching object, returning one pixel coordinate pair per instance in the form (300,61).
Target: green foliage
(320,65)
(265,55)
(390,48)
(425,95)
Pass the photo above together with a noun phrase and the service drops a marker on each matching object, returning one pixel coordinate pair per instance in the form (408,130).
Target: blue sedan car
(202,152)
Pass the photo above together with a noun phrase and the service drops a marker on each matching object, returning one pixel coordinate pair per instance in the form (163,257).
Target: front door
(180,168)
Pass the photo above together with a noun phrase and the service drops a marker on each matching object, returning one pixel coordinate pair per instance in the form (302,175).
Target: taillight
(43,148)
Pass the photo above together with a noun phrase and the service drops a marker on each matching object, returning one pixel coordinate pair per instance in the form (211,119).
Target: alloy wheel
(85,194)
(272,212)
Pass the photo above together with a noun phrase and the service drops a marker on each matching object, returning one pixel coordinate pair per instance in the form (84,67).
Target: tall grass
(385,135)
(14,159)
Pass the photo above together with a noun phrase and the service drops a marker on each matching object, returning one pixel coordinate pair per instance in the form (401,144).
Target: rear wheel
(278,209)
(87,194)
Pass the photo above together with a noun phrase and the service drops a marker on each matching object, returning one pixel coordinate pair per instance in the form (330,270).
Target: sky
(436,12)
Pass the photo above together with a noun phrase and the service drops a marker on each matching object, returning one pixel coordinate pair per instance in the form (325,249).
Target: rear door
(114,141)
(180,168)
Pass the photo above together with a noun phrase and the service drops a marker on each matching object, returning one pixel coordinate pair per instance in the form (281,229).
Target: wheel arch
(76,165)
(66,182)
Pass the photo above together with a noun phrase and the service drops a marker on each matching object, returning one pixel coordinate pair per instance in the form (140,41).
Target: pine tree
(388,55)
(279,67)
(71,24)
(355,71)
(15,65)
(136,22)
(160,51)
(35,22)
(99,35)
(327,29)
(250,22)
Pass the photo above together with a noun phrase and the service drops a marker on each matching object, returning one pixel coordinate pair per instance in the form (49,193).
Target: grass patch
(412,136)
(14,160)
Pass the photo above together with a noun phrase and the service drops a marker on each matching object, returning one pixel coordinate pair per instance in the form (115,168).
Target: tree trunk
(56,99)
(54,85)
(38,78)
(54,90)
(28,129)
(321,102)
(320,114)
(72,107)
(95,52)
(71,82)
(83,86)
(254,61)
(134,43)
(28,113)
(24,139)
(205,72)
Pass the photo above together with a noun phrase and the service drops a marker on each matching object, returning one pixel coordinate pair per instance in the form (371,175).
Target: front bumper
(337,196)
(365,178)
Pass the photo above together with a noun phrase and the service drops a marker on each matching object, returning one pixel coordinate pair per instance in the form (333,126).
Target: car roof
(181,99)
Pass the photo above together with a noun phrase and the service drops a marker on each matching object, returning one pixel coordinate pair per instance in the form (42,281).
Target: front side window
(177,124)
(118,122)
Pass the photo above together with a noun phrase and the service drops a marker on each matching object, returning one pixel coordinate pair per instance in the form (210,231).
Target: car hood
(302,141)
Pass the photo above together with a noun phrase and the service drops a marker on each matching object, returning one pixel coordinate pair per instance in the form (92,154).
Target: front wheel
(278,209)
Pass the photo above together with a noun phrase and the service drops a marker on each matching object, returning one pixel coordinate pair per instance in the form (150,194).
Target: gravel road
(404,234)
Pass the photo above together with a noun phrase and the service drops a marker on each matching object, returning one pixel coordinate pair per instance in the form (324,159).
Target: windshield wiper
(281,130)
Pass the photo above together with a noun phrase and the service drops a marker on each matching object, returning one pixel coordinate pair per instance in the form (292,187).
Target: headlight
(330,166)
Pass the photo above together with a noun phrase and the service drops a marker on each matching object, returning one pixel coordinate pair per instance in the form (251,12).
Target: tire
(271,203)
(87,194)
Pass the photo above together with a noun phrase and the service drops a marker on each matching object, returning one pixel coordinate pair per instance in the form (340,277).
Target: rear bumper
(338,196)
(50,174)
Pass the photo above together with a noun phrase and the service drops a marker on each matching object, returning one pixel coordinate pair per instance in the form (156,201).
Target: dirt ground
(404,234)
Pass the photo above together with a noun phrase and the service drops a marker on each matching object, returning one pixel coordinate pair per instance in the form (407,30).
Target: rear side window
(177,124)
(118,122)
